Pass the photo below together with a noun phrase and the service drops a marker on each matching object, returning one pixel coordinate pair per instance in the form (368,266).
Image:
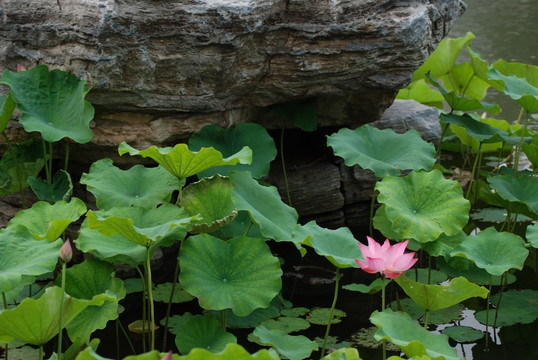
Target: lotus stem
(372,205)
(150,299)
(61,311)
(169,305)
(487,310)
(426,318)
(223,318)
(438,152)
(118,322)
(284,166)
(335,298)
(383,344)
(473,172)
(66,156)
(40,352)
(5,308)
(144,314)
(504,280)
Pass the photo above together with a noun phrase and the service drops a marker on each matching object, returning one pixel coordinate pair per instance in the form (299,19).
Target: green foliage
(292,347)
(60,189)
(17,164)
(203,332)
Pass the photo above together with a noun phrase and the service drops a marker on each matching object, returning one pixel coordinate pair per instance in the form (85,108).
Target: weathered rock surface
(217,55)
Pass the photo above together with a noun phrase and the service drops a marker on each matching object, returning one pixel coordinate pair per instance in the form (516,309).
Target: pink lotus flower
(66,252)
(389,260)
(167,356)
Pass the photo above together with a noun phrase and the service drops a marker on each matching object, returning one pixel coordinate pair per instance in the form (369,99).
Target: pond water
(503,29)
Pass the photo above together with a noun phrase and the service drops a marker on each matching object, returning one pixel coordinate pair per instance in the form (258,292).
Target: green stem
(61,311)
(46,161)
(50,164)
(223,318)
(438,152)
(169,306)
(335,298)
(126,336)
(40,352)
(19,180)
(150,299)
(5,308)
(518,150)
(372,206)
(284,166)
(473,172)
(383,344)
(117,340)
(429,269)
(66,157)
(248,228)
(426,318)
(144,313)
(487,311)
(504,281)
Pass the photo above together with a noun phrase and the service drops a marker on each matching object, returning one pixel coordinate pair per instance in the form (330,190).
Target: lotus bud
(167,356)
(20,67)
(66,252)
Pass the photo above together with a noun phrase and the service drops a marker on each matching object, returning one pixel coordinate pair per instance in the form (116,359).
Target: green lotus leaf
(495,215)
(60,189)
(232,140)
(421,92)
(338,246)
(21,255)
(496,252)
(182,162)
(81,286)
(382,223)
(137,186)
(346,353)
(422,275)
(459,266)
(521,188)
(203,332)
(276,219)
(441,316)
(144,227)
(18,163)
(52,103)
(240,273)
(114,248)
(162,293)
(436,297)
(474,128)
(532,235)
(444,244)
(463,334)
(7,106)
(37,321)
(295,312)
(442,60)
(517,306)
(292,347)
(400,151)
(254,318)
(242,225)
(46,221)
(286,324)
(531,150)
(401,330)
(176,322)
(302,114)
(211,198)
(320,316)
(374,287)
(518,88)
(464,81)
(423,205)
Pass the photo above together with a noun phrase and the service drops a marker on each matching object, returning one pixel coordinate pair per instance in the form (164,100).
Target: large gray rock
(216,55)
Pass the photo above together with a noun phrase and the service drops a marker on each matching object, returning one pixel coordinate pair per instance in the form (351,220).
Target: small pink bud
(167,356)
(66,252)
(20,67)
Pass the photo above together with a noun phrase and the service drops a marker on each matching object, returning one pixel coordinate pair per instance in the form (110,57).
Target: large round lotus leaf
(474,128)
(506,316)
(21,255)
(532,235)
(521,188)
(203,332)
(276,219)
(241,273)
(144,227)
(46,221)
(81,286)
(230,141)
(137,186)
(363,146)
(347,353)
(182,163)
(463,334)
(423,205)
(251,320)
(176,322)
(52,103)
(422,275)
(292,347)
(459,266)
(338,246)
(114,248)
(401,330)
(242,225)
(435,297)
(382,223)
(496,252)
(37,321)
(162,293)
(518,88)
(211,198)
(421,92)
(527,298)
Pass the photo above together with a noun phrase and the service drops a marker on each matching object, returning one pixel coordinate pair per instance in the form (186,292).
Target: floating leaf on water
(141,326)
(286,324)
(374,287)
(176,322)
(320,316)
(162,293)
(365,338)
(496,215)
(296,311)
(460,266)
(532,235)
(441,316)
(517,306)
(463,334)
(332,342)
(203,331)
(133,285)
(293,347)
